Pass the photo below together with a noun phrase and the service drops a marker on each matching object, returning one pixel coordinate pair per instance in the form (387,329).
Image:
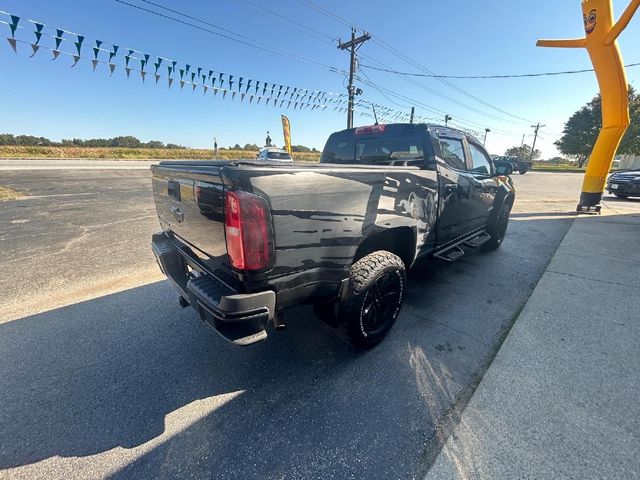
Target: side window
(480,160)
(394,150)
(453,152)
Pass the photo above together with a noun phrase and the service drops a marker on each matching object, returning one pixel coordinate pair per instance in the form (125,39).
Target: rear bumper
(240,318)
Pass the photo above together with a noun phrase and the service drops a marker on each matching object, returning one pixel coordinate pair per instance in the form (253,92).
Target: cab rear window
(393,146)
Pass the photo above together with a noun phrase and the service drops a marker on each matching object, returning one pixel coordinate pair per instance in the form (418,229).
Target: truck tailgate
(190,202)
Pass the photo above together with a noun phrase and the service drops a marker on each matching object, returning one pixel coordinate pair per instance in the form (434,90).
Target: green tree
(523,153)
(582,129)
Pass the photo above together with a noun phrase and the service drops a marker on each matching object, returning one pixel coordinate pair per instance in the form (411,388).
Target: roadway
(104,375)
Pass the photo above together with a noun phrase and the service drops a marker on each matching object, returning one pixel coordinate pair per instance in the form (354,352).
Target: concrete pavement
(560,399)
(103,374)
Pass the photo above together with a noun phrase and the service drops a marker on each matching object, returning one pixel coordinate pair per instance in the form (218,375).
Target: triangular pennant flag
(204,79)
(257,87)
(181,84)
(289,104)
(96,50)
(126,60)
(78,44)
(242,97)
(157,78)
(95,64)
(295,105)
(221,80)
(157,65)
(258,102)
(113,54)
(128,70)
(193,76)
(38,37)
(213,82)
(187,69)
(76,59)
(264,89)
(143,74)
(233,95)
(12,42)
(181,73)
(14,25)
(205,87)
(199,71)
(248,86)
(224,93)
(35,47)
(112,67)
(55,54)
(267,101)
(170,80)
(215,91)
(193,89)
(210,73)
(142,63)
(250,98)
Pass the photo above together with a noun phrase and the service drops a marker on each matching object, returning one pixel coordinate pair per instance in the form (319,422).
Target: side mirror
(503,168)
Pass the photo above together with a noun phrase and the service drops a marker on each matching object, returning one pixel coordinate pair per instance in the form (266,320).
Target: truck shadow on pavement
(139,388)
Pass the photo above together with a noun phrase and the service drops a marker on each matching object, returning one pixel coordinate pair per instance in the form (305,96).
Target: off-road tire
(377,286)
(499,228)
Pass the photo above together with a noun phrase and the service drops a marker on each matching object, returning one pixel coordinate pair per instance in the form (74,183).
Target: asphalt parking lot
(104,375)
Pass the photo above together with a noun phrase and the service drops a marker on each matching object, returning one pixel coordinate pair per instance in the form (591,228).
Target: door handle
(178,214)
(450,188)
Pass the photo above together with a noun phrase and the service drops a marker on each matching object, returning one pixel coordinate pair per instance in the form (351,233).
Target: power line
(524,75)
(300,27)
(446,82)
(247,40)
(404,57)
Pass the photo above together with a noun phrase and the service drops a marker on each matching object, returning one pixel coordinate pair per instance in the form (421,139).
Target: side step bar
(453,252)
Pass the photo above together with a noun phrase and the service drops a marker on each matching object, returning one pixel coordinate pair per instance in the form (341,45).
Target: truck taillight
(248,231)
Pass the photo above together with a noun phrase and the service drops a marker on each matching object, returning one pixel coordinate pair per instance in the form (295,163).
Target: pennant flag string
(301,98)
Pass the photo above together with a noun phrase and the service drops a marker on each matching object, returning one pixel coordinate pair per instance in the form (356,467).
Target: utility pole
(353,47)
(522,142)
(413,110)
(535,137)
(486,130)
(446,119)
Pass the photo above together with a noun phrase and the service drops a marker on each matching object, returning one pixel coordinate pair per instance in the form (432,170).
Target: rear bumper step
(240,318)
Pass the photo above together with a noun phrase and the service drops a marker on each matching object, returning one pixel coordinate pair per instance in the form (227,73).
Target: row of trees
(582,129)
(125,142)
(252,147)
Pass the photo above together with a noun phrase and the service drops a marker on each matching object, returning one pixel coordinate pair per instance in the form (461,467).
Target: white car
(272,153)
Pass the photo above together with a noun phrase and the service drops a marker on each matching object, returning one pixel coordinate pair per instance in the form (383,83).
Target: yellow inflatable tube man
(601,43)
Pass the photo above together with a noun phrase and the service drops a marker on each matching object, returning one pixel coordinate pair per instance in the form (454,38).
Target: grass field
(135,153)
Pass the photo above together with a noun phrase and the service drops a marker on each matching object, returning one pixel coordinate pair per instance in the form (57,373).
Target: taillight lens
(248,231)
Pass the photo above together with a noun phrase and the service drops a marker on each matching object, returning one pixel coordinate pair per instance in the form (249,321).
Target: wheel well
(400,241)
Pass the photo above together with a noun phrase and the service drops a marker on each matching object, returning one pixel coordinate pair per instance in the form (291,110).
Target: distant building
(627,162)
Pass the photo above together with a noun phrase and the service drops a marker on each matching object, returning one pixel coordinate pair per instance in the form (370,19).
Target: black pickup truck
(243,240)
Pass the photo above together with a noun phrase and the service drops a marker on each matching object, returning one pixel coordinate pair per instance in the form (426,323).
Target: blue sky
(458,37)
